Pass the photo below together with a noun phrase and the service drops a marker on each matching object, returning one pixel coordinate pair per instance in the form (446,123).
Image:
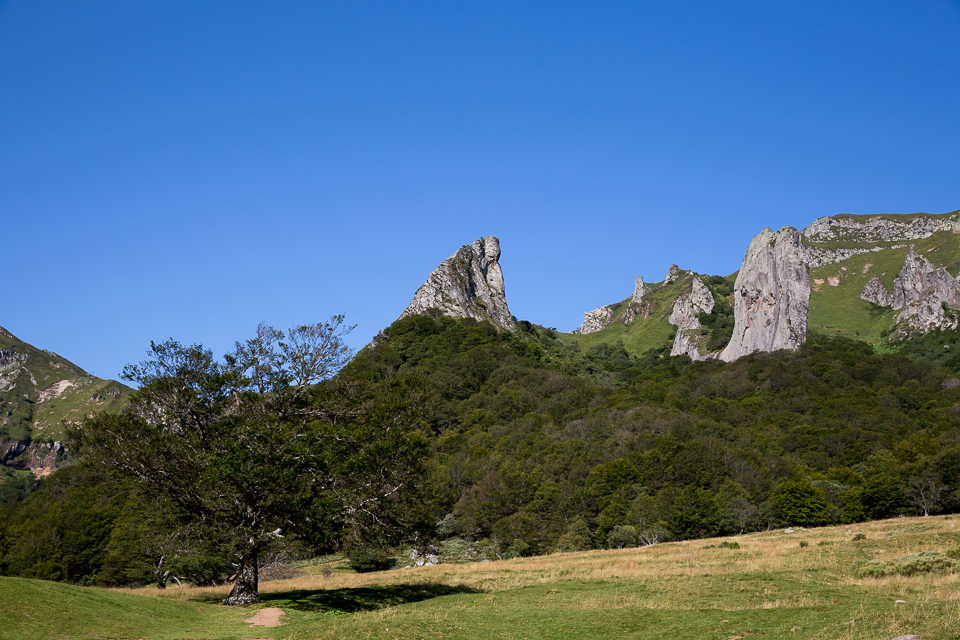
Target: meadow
(768,585)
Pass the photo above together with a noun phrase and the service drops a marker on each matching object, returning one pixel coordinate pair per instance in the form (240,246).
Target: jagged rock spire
(468,284)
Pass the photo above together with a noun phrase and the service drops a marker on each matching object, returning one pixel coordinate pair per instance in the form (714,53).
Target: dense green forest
(539,446)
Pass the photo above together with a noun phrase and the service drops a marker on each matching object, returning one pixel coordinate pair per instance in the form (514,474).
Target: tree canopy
(263,445)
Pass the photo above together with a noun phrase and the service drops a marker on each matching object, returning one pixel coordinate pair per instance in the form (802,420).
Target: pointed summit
(468,284)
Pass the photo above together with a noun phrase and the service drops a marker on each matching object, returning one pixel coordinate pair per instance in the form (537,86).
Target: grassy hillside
(39,389)
(649,330)
(835,305)
(766,585)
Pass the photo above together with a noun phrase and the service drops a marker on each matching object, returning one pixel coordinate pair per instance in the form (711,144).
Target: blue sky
(189,169)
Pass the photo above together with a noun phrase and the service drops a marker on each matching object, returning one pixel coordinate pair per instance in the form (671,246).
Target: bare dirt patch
(269,617)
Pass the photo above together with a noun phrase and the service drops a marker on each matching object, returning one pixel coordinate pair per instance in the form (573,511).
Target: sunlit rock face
(686,318)
(924,295)
(468,284)
(771,295)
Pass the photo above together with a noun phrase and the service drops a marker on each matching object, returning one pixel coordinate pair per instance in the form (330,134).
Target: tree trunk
(246,587)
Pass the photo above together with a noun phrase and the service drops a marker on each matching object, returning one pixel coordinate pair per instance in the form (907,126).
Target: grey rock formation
(468,284)
(595,320)
(635,308)
(920,292)
(685,317)
(876,293)
(10,359)
(639,290)
(672,274)
(771,295)
(869,232)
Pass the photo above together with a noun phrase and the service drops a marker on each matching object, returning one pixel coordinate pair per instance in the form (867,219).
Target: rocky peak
(686,318)
(771,295)
(673,273)
(468,284)
(920,292)
(639,290)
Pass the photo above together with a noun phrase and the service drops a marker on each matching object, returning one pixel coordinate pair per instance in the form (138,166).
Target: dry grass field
(772,586)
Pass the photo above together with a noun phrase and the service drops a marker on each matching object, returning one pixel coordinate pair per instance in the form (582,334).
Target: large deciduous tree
(265,444)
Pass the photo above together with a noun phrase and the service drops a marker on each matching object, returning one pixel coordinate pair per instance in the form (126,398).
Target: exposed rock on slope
(922,292)
(771,295)
(604,316)
(640,289)
(686,318)
(39,391)
(865,235)
(595,320)
(468,284)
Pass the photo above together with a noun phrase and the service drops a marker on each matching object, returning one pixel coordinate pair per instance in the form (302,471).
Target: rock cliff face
(869,233)
(635,307)
(771,295)
(922,292)
(685,317)
(468,284)
(603,317)
(595,320)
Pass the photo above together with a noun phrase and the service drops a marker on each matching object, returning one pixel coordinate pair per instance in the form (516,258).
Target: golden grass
(659,577)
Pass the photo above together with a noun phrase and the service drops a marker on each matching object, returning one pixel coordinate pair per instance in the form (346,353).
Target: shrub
(622,536)
(920,564)
(800,503)
(366,560)
(859,536)
(804,544)
(729,545)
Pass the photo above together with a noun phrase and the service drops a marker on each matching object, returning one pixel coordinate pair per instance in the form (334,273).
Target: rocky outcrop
(924,295)
(876,293)
(868,232)
(635,307)
(673,273)
(468,284)
(595,320)
(771,295)
(686,318)
(10,359)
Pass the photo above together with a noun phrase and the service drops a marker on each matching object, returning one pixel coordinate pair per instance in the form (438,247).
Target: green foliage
(60,532)
(799,503)
(261,445)
(729,544)
(369,559)
(860,536)
(882,497)
(576,538)
(531,436)
(622,536)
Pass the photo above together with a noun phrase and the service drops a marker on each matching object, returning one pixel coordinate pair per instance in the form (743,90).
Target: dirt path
(269,617)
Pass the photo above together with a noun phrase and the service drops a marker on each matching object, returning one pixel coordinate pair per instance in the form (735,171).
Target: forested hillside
(540,445)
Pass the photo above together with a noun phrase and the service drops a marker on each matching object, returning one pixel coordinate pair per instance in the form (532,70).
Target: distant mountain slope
(847,252)
(39,390)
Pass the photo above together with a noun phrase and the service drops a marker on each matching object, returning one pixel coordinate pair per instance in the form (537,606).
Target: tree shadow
(360,599)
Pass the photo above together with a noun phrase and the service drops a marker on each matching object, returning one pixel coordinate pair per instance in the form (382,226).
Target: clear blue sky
(189,169)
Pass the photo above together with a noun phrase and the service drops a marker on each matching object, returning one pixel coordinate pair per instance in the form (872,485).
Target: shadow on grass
(360,599)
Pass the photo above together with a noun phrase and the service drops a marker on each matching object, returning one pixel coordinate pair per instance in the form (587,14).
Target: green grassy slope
(34,398)
(35,609)
(650,329)
(768,585)
(836,309)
